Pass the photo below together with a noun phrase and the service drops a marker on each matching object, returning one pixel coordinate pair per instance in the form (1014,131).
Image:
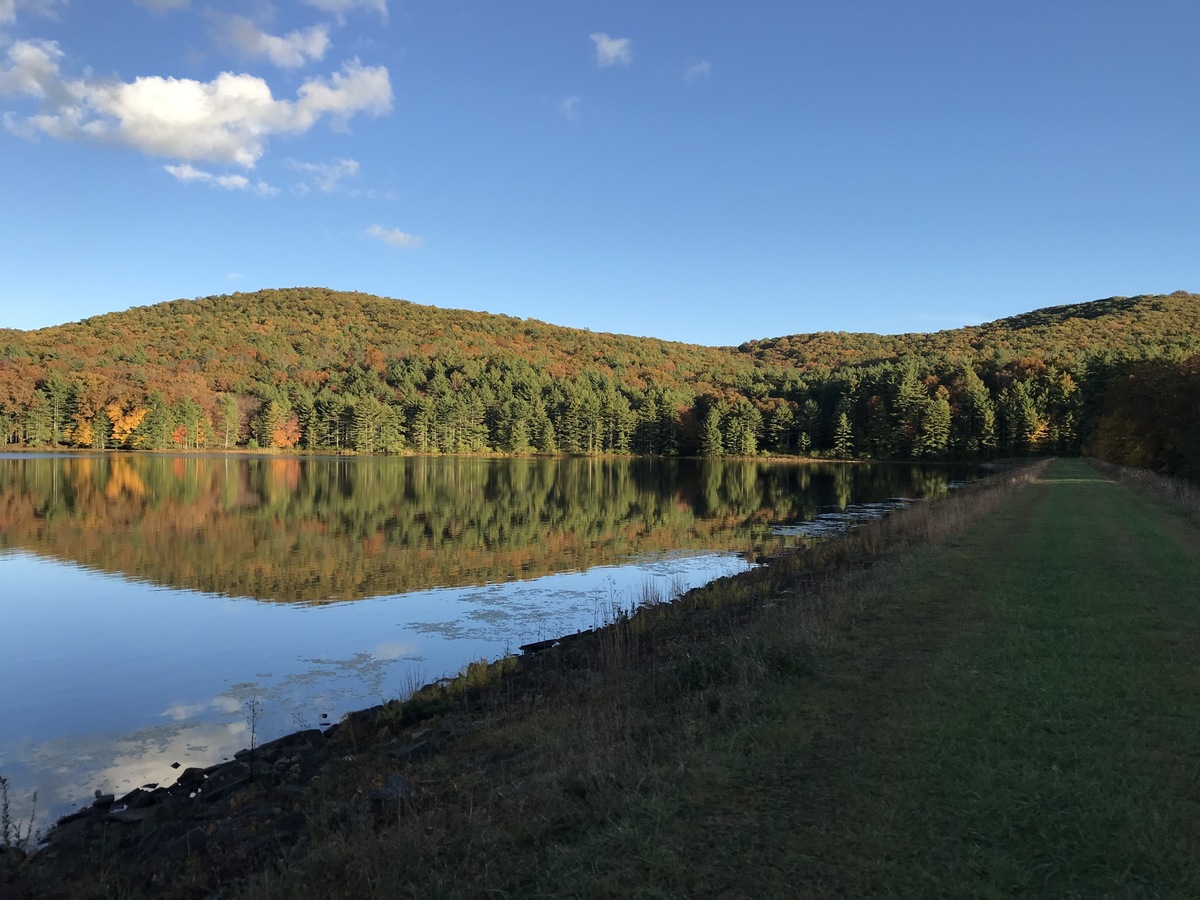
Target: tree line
(327,372)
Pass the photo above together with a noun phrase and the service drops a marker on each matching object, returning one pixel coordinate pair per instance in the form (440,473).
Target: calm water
(148,602)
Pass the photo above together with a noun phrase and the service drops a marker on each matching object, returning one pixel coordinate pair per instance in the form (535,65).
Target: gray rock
(131,816)
(272,750)
(224,780)
(191,778)
(137,799)
(224,790)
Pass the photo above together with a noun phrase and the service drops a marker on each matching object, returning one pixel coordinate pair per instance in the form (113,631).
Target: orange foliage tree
(125,420)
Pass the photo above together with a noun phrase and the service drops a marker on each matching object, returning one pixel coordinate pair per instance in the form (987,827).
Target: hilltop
(1132,327)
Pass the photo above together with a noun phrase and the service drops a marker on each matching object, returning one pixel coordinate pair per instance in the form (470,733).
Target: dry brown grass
(1183,493)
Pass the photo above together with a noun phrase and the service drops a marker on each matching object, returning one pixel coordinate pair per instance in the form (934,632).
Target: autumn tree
(125,418)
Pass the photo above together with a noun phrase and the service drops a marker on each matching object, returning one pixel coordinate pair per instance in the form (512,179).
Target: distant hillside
(321,370)
(302,331)
(1120,327)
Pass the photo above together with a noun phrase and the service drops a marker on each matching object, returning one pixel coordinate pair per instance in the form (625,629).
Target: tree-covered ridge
(1140,327)
(315,369)
(305,334)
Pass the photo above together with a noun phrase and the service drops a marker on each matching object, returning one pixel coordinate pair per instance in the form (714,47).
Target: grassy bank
(990,695)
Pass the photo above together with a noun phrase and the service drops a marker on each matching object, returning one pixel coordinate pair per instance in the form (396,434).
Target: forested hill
(244,338)
(1142,327)
(311,368)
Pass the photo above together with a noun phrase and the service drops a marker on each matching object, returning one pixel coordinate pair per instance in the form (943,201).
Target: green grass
(1038,735)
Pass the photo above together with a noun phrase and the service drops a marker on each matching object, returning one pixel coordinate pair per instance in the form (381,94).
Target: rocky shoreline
(244,814)
(235,812)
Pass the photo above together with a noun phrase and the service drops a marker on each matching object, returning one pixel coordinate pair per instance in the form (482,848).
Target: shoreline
(259,804)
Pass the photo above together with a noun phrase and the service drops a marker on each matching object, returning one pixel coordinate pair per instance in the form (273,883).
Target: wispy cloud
(394,237)
(229,119)
(288,51)
(188,173)
(569,107)
(697,71)
(339,8)
(611,51)
(163,5)
(373,194)
(45,8)
(326,176)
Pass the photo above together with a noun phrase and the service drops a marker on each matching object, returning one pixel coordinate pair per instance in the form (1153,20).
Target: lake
(160,611)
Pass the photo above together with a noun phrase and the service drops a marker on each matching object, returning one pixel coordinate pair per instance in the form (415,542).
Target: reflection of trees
(317,529)
(841,486)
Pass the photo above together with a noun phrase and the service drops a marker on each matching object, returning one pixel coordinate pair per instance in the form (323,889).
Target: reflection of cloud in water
(178,712)
(68,770)
(143,758)
(396,650)
(568,602)
(227,705)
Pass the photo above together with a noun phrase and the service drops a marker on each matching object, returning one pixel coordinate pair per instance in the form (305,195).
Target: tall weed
(14,831)
(1175,490)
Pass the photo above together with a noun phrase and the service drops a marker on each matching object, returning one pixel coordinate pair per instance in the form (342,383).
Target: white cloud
(697,72)
(339,8)
(229,119)
(612,51)
(394,237)
(163,5)
(287,51)
(46,8)
(326,176)
(188,173)
(33,71)
(569,107)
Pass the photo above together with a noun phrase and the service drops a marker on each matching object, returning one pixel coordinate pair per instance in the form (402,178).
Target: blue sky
(700,171)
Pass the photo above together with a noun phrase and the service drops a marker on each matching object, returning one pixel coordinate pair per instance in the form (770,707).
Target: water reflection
(319,530)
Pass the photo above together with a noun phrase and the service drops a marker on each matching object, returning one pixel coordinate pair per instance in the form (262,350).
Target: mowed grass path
(1022,714)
